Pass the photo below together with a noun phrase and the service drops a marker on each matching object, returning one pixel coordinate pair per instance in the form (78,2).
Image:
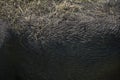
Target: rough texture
(82,45)
(6,66)
(76,41)
(3,28)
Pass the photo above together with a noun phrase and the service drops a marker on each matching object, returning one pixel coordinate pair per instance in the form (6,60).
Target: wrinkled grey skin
(88,50)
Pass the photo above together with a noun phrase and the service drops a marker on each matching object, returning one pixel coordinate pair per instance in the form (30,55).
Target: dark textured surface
(6,68)
(3,28)
(70,47)
(85,51)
